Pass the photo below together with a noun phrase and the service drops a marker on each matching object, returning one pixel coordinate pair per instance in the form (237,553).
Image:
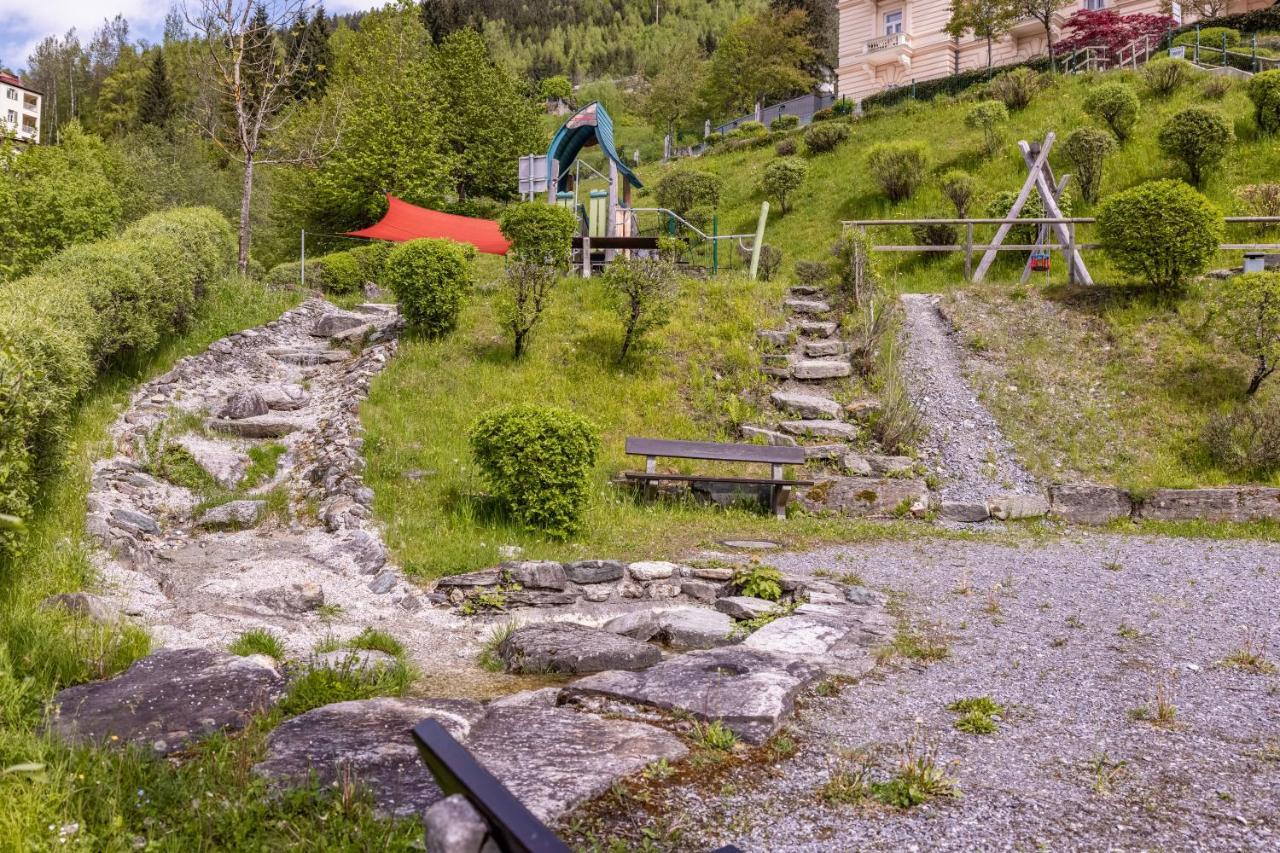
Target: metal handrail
(687,224)
(1077,220)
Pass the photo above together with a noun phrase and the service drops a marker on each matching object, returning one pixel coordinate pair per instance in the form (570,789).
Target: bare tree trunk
(1260,374)
(1048,40)
(246,196)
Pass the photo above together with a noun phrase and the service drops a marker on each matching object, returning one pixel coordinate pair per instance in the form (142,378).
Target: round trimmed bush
(335,273)
(821,138)
(782,178)
(1087,148)
(959,188)
(1016,88)
(539,233)
(987,116)
(1164,76)
(430,279)
(683,189)
(785,147)
(1199,137)
(749,128)
(1264,91)
(1163,231)
(1114,104)
(537,460)
(824,114)
(898,168)
(784,122)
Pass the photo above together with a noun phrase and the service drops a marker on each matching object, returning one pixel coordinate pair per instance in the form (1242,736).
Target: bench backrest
(766,454)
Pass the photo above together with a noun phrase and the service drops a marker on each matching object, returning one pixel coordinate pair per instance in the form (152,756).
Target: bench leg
(781,495)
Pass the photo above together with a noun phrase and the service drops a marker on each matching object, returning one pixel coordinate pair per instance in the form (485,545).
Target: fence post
(715,244)
(1254,63)
(1224,50)
(1071,253)
(913,88)
(759,243)
(1197,43)
(968,251)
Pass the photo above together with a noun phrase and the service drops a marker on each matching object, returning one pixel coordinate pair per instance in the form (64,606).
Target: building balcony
(888,42)
(887,49)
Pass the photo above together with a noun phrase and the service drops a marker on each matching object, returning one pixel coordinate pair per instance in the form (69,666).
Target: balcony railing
(885,42)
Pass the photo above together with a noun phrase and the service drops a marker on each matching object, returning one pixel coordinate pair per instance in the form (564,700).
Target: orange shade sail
(403,222)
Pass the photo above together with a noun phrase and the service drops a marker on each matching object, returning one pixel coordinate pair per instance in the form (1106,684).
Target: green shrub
(1209,37)
(1001,203)
(759,581)
(842,107)
(1163,231)
(988,116)
(898,168)
(749,128)
(1264,91)
(258,641)
(812,273)
(539,233)
(1016,88)
(643,292)
(770,262)
(285,276)
(1216,88)
(959,188)
(824,114)
(1164,76)
(784,122)
(684,188)
(856,269)
(1199,137)
(192,246)
(821,138)
(1259,200)
(537,461)
(1114,104)
(430,279)
(785,147)
(935,233)
(782,178)
(1245,441)
(1248,309)
(1087,148)
(337,273)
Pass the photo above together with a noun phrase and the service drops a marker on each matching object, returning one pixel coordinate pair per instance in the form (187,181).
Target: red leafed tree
(1109,29)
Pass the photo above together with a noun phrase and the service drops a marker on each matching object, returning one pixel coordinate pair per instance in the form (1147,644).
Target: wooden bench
(775,457)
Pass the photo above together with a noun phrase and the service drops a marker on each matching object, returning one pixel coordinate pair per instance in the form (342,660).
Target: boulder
(454,826)
(261,426)
(168,700)
(694,628)
(805,405)
(639,625)
(233,515)
(536,574)
(284,398)
(292,598)
(702,590)
(768,436)
(1236,504)
(821,368)
(816,328)
(383,582)
(651,570)
(1013,507)
(966,512)
(134,522)
(566,647)
(367,741)
(219,460)
(243,404)
(1088,504)
(84,604)
(752,692)
(593,571)
(337,322)
(806,306)
(865,496)
(745,606)
(821,429)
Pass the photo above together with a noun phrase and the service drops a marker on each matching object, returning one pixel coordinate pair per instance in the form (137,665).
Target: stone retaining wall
(1089,504)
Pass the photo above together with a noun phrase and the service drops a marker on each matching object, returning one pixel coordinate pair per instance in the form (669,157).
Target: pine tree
(443,18)
(310,39)
(157,107)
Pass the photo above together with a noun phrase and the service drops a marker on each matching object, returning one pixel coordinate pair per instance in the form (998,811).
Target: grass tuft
(258,641)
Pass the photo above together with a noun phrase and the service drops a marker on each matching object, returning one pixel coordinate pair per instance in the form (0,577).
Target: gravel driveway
(1087,627)
(964,444)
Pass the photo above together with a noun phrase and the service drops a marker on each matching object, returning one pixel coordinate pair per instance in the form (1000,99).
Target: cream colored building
(19,109)
(888,43)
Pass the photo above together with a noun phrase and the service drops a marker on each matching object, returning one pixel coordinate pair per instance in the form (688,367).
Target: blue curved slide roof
(588,126)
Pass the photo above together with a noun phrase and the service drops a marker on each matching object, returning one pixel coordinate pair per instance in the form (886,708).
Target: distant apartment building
(20,109)
(888,43)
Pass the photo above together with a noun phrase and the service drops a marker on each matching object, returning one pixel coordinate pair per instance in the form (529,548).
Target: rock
(1011,507)
(84,604)
(775,338)
(1236,504)
(639,625)
(750,691)
(701,590)
(378,309)
(664,589)
(223,463)
(817,328)
(233,515)
(357,335)
(168,700)
(243,404)
(454,826)
(536,574)
(261,426)
(967,512)
(888,466)
(566,647)
(334,323)
(863,597)
(821,429)
(825,452)
(593,571)
(540,598)
(485,577)
(694,628)
(745,606)
(823,348)
(770,437)
(366,741)
(352,660)
(713,573)
(135,522)
(1089,504)
(864,496)
(806,405)
(863,409)
(307,357)
(544,697)
(383,583)
(823,642)
(365,550)
(821,368)
(553,759)
(856,464)
(651,570)
(284,398)
(806,306)
(293,598)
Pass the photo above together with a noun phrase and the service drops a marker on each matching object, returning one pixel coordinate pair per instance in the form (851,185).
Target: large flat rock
(838,639)
(1233,503)
(806,405)
(168,700)
(1083,503)
(567,647)
(553,759)
(260,426)
(368,741)
(221,461)
(750,691)
(821,429)
(821,368)
(694,628)
(866,496)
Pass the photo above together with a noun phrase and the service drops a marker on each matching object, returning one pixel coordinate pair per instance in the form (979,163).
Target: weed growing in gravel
(715,735)
(976,723)
(1128,632)
(963,586)
(917,641)
(848,578)
(373,640)
(850,779)
(658,770)
(1269,751)
(347,681)
(780,746)
(488,657)
(329,612)
(264,459)
(1106,773)
(1161,711)
(1250,656)
(1074,621)
(1112,567)
(1057,642)
(828,687)
(919,777)
(978,714)
(992,606)
(258,641)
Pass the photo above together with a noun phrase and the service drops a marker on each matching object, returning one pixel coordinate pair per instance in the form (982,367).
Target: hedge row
(951,85)
(1259,20)
(337,272)
(81,309)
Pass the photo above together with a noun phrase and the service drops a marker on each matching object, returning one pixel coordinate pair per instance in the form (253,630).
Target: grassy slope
(839,187)
(106,800)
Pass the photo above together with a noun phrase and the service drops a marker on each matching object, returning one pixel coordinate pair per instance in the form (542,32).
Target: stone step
(863,408)
(821,429)
(776,359)
(806,306)
(821,368)
(825,452)
(770,436)
(824,348)
(808,290)
(776,372)
(806,405)
(775,337)
(816,328)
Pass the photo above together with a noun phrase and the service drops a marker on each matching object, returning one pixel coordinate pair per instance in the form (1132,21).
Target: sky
(24,23)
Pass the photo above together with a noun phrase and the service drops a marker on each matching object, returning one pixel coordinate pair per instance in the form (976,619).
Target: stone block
(1083,503)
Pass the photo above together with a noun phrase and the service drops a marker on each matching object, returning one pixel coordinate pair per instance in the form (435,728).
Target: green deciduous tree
(985,19)
(644,293)
(1116,105)
(782,178)
(1248,307)
(1044,12)
(761,58)
(1087,148)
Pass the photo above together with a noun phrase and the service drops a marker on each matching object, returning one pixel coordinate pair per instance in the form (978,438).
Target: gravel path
(964,444)
(1086,629)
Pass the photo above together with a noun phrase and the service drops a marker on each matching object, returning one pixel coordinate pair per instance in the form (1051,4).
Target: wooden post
(586,255)
(759,242)
(989,257)
(1052,209)
(968,251)
(1071,253)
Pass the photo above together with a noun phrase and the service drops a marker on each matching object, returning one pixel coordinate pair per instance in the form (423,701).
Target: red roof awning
(404,221)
